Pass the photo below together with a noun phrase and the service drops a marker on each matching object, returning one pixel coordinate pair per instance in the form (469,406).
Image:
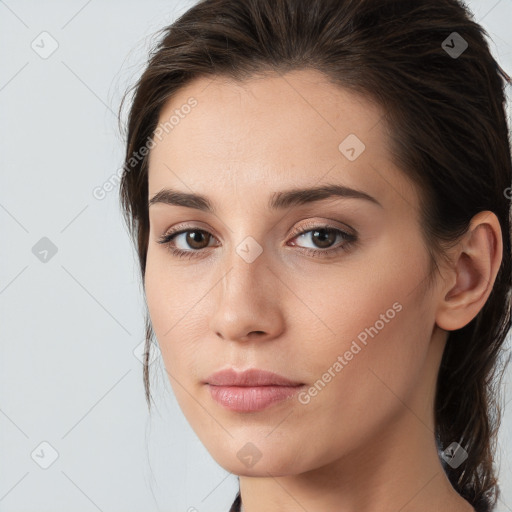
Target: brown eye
(323,238)
(195,239)
(190,243)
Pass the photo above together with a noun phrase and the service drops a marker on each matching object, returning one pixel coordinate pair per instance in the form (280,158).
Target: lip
(251,390)
(249,378)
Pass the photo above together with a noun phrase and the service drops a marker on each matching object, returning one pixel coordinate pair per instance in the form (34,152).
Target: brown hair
(445,114)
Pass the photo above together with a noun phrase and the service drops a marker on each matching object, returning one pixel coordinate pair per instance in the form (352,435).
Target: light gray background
(69,326)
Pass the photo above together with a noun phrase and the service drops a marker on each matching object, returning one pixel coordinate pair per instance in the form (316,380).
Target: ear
(476,262)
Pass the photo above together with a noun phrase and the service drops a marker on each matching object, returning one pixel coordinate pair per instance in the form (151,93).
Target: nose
(247,301)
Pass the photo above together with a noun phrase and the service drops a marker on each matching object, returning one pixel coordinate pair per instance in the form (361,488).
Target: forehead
(272,132)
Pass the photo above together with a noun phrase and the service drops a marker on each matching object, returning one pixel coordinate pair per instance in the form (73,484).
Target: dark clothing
(235,507)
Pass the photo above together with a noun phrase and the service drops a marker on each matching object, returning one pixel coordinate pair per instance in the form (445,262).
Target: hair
(448,133)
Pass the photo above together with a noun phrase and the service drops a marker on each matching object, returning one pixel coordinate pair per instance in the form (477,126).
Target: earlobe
(476,263)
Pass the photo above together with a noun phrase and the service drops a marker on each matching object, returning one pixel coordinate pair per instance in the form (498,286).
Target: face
(327,293)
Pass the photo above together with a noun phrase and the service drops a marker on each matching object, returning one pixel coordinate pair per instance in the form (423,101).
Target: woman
(319,191)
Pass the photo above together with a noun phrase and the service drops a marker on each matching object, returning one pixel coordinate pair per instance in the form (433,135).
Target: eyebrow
(278,200)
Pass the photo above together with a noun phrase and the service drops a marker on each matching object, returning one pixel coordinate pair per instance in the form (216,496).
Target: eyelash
(350,239)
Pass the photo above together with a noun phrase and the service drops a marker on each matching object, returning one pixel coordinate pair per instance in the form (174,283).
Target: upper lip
(251,377)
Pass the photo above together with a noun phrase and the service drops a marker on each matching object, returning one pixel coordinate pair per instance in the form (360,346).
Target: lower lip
(251,399)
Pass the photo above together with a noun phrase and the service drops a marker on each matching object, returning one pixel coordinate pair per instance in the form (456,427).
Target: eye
(323,236)
(196,241)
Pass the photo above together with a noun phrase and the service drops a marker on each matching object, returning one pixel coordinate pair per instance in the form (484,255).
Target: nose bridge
(245,298)
(246,265)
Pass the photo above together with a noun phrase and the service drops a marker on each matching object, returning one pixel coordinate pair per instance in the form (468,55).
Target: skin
(365,442)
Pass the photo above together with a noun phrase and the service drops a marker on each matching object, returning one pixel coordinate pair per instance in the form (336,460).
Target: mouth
(251,390)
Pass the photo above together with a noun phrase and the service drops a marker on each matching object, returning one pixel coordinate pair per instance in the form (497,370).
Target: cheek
(365,299)
(158,292)
(162,298)
(382,333)
(374,315)
(170,290)
(176,299)
(360,383)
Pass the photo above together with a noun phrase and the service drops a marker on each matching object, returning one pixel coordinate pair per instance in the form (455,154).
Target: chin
(249,460)
(260,469)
